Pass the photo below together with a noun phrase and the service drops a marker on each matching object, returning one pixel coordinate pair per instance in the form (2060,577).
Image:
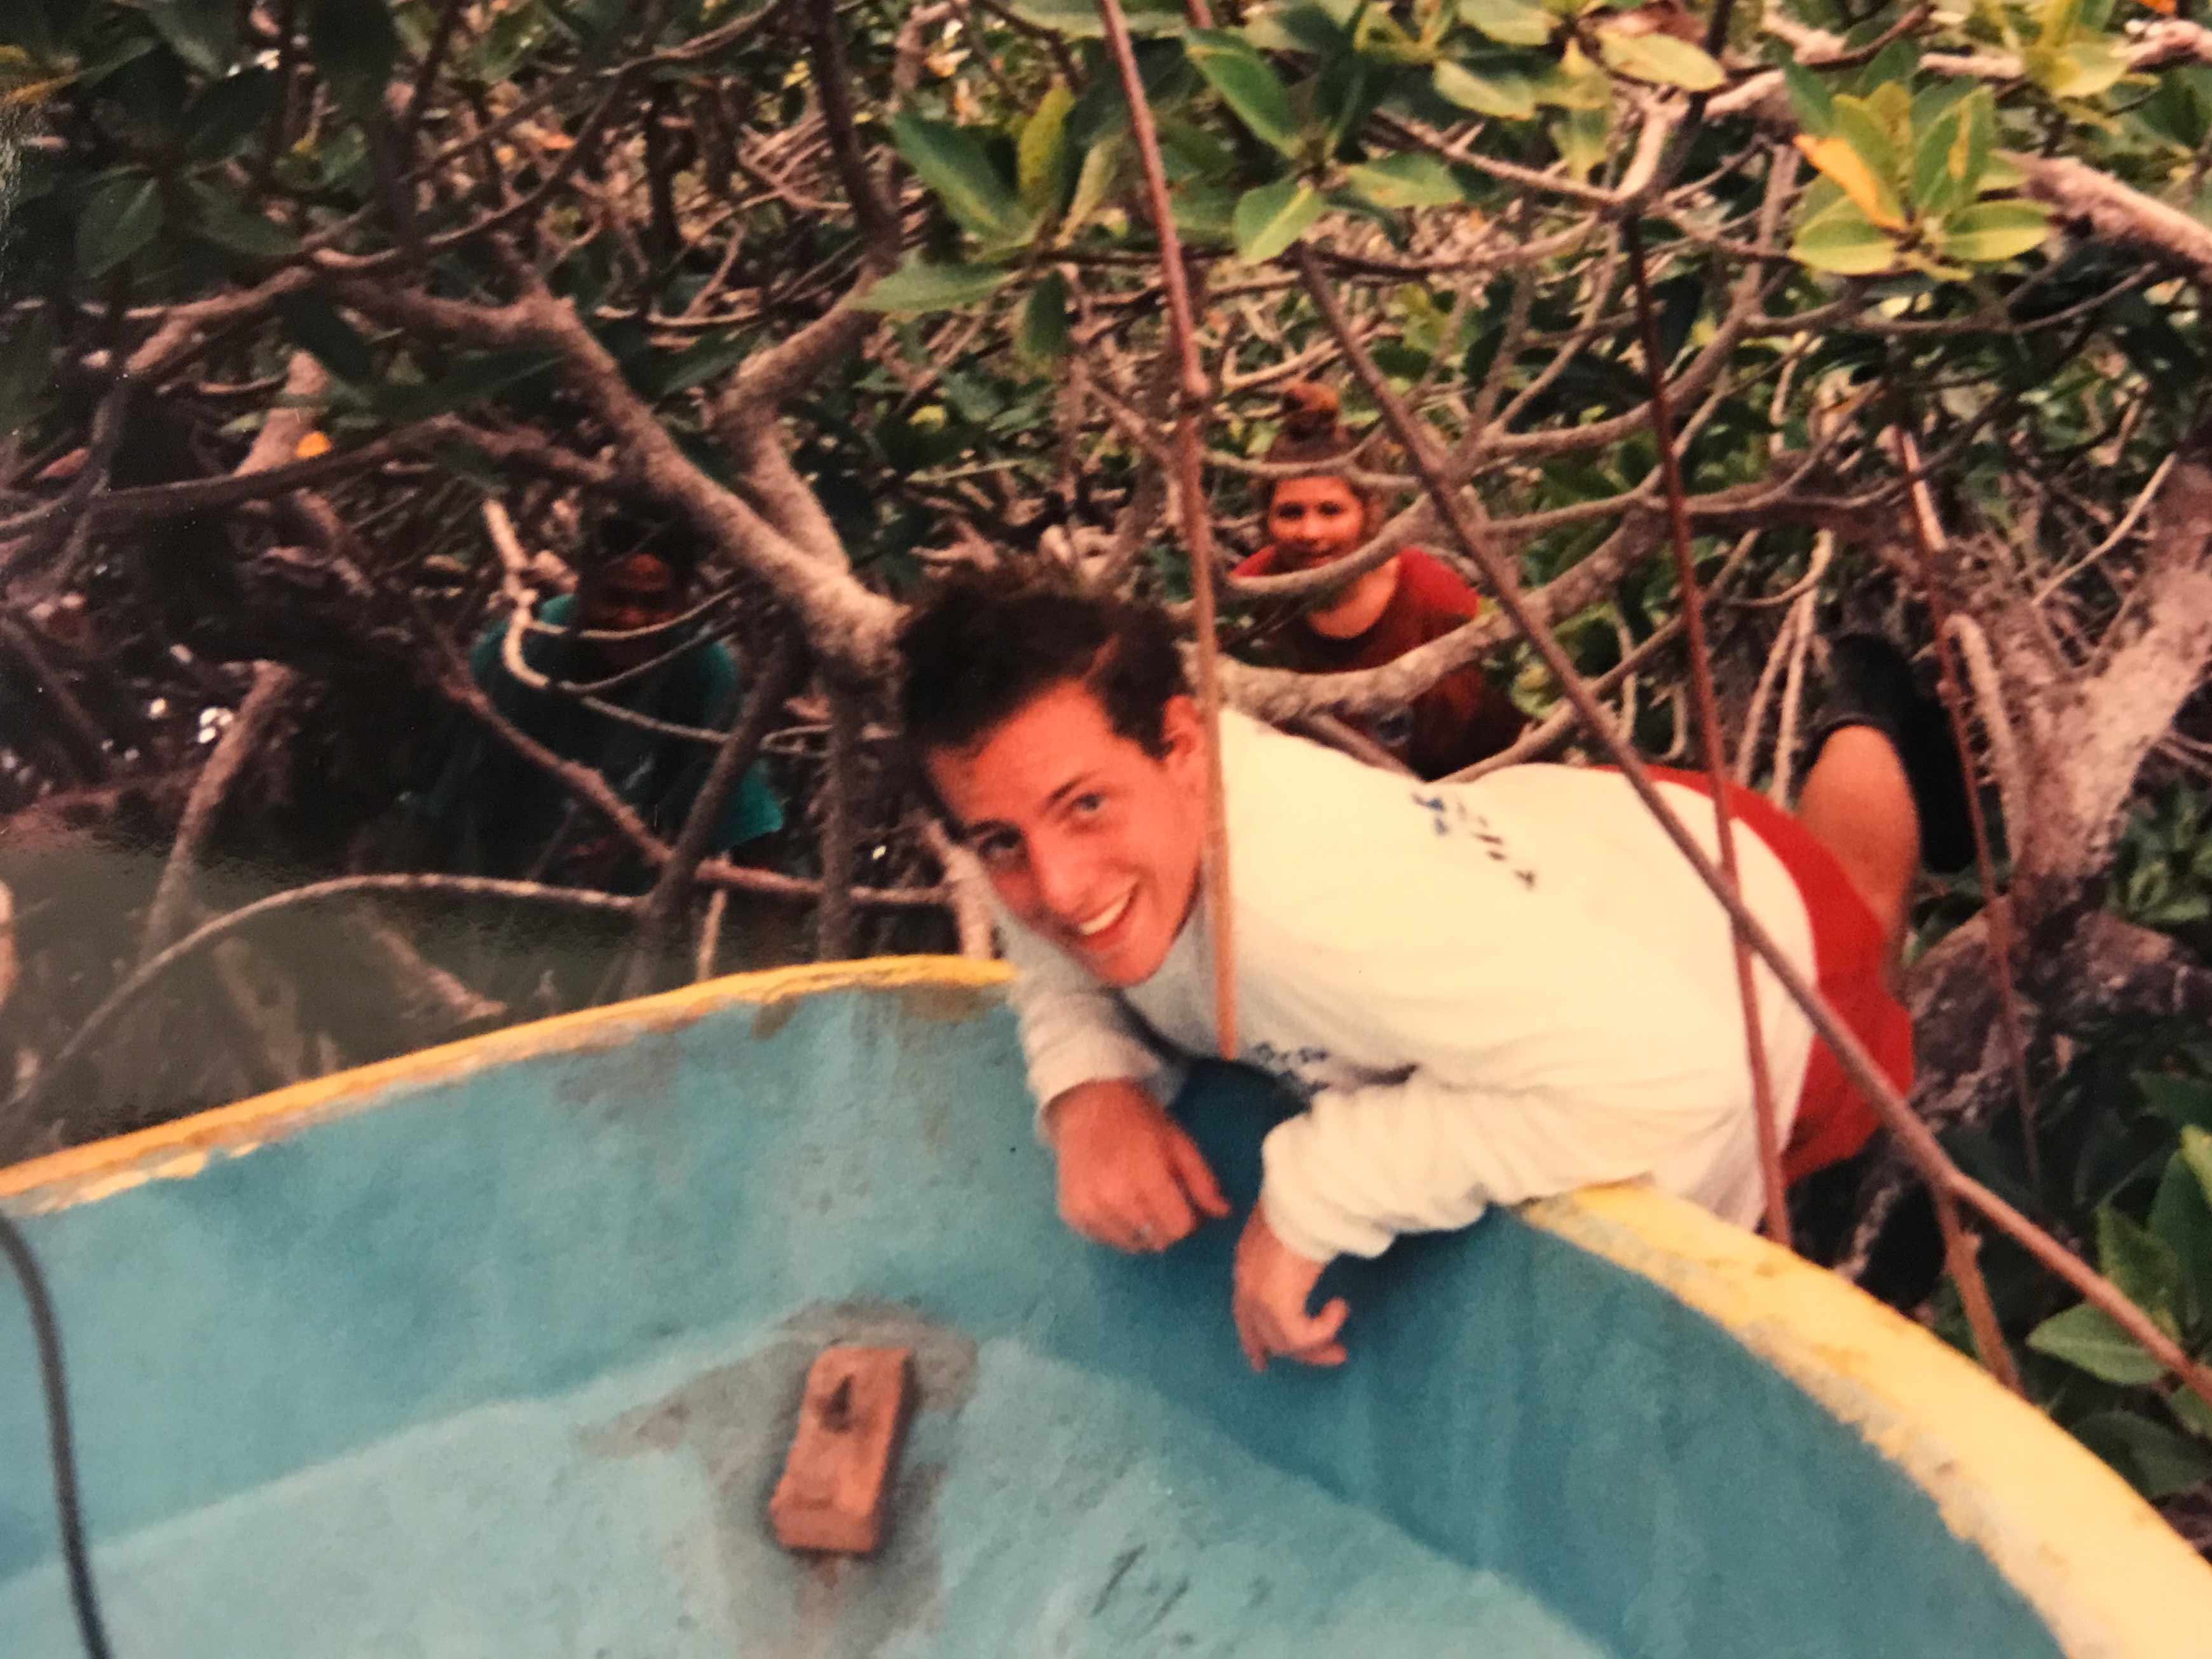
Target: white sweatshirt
(1486,992)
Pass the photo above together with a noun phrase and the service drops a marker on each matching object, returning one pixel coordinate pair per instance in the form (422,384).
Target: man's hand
(1273,1282)
(1129,1177)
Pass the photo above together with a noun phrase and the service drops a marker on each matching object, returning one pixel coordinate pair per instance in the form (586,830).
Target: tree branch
(664,906)
(1944,1178)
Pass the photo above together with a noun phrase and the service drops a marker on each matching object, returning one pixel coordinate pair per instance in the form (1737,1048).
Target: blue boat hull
(497,1351)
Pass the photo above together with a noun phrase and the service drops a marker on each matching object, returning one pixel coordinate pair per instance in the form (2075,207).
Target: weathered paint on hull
(504,1364)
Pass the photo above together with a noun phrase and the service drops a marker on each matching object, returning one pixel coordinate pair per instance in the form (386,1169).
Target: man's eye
(1089,805)
(995,849)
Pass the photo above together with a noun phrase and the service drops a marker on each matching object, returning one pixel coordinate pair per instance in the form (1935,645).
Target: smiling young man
(1483,993)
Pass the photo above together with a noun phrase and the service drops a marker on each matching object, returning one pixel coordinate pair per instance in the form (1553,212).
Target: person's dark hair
(1307,429)
(980,648)
(623,530)
(1311,436)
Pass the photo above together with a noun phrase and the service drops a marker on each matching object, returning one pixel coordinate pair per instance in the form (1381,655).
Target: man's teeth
(1106,918)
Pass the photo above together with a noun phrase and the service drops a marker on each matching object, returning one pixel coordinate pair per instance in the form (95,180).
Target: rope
(61,1452)
(1709,737)
(1197,529)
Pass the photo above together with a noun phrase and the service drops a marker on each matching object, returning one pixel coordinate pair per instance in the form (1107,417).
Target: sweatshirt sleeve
(1361,1166)
(1074,1030)
(1519,1039)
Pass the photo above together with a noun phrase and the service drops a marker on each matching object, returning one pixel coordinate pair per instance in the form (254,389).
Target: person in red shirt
(1405,602)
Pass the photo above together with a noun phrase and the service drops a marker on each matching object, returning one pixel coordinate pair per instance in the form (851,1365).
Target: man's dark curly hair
(980,648)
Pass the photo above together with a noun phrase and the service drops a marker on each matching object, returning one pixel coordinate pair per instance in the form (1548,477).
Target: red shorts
(1834,1121)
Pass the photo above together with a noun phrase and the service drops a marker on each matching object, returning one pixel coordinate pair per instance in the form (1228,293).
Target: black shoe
(1871,684)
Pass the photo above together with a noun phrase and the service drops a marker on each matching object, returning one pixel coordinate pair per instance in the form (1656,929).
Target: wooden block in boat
(836,1481)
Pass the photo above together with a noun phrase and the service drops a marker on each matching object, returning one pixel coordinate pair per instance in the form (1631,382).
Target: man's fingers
(1314,1340)
(1248,1333)
(1195,1174)
(1112,1227)
(1164,1213)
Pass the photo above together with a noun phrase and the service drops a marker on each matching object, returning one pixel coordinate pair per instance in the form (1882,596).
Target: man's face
(1313,521)
(1090,841)
(640,591)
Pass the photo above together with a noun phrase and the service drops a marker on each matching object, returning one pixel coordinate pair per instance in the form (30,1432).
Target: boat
(497,1349)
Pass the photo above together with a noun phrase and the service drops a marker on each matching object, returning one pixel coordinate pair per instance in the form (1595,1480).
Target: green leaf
(2142,1264)
(2197,1153)
(1989,232)
(357,49)
(1869,133)
(706,359)
(126,53)
(586,21)
(1660,59)
(1041,155)
(2156,1461)
(2087,1338)
(513,36)
(952,163)
(1042,337)
(1295,27)
(1842,241)
(1412,179)
(1948,161)
(1574,82)
(1342,97)
(201,31)
(470,380)
(27,370)
(1890,105)
(1205,212)
(229,113)
(1272,217)
(1186,150)
(1078,19)
(1809,97)
(1508,96)
(2181,1214)
(2184,1102)
(2057,21)
(1100,164)
(1509,22)
(218,219)
(917,287)
(123,214)
(311,322)
(2195,1414)
(1580,138)
(2082,68)
(1248,85)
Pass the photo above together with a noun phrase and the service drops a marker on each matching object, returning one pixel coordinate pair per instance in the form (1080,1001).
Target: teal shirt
(516,809)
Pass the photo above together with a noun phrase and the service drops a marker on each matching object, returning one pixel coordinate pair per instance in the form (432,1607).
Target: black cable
(67,1511)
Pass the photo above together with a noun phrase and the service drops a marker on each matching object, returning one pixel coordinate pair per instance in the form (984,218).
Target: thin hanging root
(1198,528)
(1996,725)
(1914,1138)
(1961,1255)
(1927,536)
(1793,698)
(1754,719)
(1709,737)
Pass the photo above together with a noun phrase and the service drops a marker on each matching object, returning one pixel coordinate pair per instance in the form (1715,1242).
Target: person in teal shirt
(512,819)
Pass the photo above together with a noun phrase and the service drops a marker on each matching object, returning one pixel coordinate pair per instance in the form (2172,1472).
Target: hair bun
(1309,410)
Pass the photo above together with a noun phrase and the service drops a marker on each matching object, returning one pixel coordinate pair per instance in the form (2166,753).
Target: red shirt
(1459,721)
